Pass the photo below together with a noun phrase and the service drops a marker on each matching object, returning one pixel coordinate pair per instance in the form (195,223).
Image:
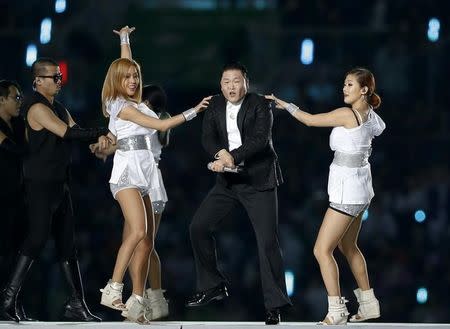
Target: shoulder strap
(356,117)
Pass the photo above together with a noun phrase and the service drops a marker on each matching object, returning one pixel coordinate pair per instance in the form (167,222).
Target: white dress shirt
(234,136)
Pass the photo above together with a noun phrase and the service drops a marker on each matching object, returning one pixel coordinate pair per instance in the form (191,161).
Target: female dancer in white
(134,180)
(349,188)
(155,98)
(157,306)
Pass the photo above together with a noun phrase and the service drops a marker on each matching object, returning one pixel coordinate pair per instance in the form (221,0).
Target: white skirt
(350,185)
(136,169)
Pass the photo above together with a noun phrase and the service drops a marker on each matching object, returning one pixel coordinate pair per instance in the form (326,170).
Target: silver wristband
(124,39)
(189,114)
(292,108)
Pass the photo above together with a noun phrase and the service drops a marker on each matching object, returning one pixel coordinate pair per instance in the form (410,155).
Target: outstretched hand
(279,104)
(203,104)
(124,30)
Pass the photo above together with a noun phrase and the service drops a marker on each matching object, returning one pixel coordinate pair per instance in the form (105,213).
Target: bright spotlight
(420,216)
(60,6)
(46,31)
(31,55)
(422,295)
(307,52)
(434,26)
(289,277)
(365,214)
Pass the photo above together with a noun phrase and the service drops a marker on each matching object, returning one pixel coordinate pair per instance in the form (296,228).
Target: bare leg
(154,277)
(138,268)
(133,210)
(355,258)
(333,227)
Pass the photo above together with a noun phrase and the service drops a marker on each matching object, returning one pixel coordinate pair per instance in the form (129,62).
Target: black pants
(262,209)
(13,230)
(50,213)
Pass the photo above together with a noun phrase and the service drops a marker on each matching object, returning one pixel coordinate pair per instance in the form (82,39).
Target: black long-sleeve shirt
(11,158)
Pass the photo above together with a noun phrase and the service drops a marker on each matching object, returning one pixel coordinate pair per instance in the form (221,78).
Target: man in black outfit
(12,149)
(237,131)
(49,130)
(11,194)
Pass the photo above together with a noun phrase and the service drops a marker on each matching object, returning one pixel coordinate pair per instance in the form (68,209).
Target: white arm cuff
(124,39)
(292,108)
(189,114)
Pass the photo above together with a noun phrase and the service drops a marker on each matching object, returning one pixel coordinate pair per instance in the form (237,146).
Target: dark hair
(38,67)
(6,84)
(157,99)
(236,66)
(156,96)
(365,78)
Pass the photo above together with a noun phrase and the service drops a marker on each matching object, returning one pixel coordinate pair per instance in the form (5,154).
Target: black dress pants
(261,207)
(50,213)
(13,229)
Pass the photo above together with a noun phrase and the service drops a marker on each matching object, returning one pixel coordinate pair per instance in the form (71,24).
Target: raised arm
(125,48)
(132,114)
(341,117)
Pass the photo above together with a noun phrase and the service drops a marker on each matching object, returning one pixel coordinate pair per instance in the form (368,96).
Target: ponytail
(374,100)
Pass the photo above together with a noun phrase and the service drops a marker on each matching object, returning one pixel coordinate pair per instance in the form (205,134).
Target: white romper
(132,168)
(350,179)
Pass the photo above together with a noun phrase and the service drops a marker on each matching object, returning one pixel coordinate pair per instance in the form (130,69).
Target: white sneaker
(337,311)
(157,303)
(112,296)
(137,311)
(127,305)
(369,307)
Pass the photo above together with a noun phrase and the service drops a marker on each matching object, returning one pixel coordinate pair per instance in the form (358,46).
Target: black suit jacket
(255,122)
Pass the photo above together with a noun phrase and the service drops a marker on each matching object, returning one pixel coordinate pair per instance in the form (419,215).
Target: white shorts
(352,210)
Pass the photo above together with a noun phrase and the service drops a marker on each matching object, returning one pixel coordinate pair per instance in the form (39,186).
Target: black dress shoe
(273,316)
(205,297)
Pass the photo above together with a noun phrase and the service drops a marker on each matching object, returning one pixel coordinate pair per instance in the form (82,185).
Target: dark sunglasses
(18,98)
(56,77)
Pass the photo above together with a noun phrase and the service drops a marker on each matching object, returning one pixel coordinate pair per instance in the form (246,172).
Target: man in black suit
(237,132)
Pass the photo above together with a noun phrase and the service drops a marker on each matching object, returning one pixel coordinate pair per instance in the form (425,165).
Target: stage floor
(215,325)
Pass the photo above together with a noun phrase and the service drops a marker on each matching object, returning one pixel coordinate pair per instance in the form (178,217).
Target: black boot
(8,299)
(75,308)
(20,311)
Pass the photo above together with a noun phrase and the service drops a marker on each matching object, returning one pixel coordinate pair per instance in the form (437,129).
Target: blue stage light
(434,26)
(365,214)
(60,6)
(31,55)
(289,277)
(46,31)
(420,216)
(307,52)
(422,295)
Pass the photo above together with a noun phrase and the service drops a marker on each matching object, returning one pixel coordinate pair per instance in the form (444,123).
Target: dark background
(182,46)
